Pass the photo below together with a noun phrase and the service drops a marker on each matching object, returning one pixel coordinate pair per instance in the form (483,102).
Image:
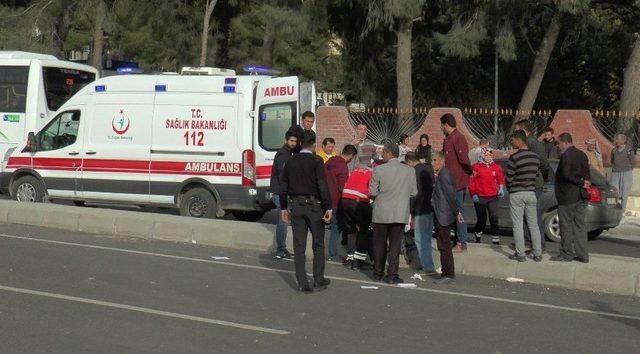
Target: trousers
(540,223)
(573,231)
(461,228)
(424,234)
(483,206)
(383,234)
(357,218)
(281,228)
(444,246)
(522,206)
(305,218)
(623,181)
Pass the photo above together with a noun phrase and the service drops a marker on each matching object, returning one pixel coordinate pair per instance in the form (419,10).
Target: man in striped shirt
(522,171)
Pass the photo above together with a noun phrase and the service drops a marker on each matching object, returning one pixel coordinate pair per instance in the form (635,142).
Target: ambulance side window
(61,132)
(274,121)
(13,88)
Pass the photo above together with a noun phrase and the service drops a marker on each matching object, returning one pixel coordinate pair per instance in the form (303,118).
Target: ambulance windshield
(275,120)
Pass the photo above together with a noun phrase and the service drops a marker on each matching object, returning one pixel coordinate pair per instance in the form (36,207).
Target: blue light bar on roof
(257,69)
(229,89)
(101,88)
(161,88)
(128,70)
(230,81)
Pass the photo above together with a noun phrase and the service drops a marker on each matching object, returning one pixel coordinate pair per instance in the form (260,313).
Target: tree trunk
(630,100)
(403,66)
(98,35)
(268,44)
(208,11)
(539,66)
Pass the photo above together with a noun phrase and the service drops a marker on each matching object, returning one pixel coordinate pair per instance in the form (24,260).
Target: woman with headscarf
(486,186)
(424,149)
(595,155)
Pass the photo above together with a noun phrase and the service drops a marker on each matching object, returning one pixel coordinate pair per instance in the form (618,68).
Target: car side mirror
(32,143)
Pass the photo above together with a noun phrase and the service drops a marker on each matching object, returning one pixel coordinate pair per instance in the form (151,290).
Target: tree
(97,47)
(208,11)
(398,16)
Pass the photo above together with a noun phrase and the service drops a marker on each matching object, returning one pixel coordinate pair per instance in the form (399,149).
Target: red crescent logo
(118,131)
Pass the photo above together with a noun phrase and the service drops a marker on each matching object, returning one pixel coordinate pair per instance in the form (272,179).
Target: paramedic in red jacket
(358,212)
(486,185)
(337,172)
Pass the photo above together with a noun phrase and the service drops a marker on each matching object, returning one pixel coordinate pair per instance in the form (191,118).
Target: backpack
(410,248)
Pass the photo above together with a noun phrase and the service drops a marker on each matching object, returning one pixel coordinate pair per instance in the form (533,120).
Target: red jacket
(486,179)
(456,158)
(337,172)
(357,186)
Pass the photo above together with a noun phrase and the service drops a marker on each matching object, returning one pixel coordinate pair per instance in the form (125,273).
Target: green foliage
(464,38)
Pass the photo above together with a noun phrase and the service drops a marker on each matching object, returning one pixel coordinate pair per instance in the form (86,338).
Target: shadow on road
(268,261)
(605,307)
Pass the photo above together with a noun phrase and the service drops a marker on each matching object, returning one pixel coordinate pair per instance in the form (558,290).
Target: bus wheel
(198,203)
(29,189)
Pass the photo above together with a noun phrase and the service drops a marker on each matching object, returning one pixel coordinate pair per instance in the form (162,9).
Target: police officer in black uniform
(304,191)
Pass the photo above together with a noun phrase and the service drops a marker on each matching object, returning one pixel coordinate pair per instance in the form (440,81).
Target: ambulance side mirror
(32,144)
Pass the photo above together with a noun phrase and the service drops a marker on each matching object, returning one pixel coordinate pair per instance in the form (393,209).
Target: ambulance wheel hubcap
(26,193)
(197,207)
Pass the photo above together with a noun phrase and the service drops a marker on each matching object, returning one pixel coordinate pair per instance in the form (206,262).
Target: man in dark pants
(282,156)
(391,186)
(303,188)
(536,146)
(572,179)
(446,214)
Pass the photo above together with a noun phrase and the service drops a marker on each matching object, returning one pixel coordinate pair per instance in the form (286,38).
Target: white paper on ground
(368,287)
(220,258)
(407,285)
(416,276)
(515,280)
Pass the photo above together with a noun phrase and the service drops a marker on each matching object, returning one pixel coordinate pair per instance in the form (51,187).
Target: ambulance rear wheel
(198,203)
(28,189)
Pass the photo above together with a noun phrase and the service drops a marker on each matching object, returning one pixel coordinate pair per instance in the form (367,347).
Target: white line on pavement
(247,266)
(143,310)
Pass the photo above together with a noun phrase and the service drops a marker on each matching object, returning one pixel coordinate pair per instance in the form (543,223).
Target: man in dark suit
(446,214)
(303,189)
(572,179)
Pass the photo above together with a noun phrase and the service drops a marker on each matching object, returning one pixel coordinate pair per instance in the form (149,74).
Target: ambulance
(32,87)
(204,144)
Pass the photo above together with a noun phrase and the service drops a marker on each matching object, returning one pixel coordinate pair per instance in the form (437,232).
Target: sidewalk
(611,274)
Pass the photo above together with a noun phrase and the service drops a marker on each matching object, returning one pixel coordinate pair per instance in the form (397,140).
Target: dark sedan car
(603,211)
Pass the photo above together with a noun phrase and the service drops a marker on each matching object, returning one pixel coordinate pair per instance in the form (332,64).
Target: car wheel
(79,203)
(29,189)
(552,226)
(198,203)
(593,234)
(251,216)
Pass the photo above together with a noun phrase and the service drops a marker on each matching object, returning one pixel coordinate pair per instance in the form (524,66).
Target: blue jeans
(281,227)
(334,235)
(424,234)
(461,229)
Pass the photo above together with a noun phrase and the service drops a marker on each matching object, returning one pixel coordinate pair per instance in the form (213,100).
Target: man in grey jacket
(446,214)
(391,187)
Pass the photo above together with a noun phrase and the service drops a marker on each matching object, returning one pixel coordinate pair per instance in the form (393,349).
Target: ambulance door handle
(90,152)
(74,153)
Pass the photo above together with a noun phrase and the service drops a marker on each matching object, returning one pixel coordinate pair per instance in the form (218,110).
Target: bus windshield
(61,83)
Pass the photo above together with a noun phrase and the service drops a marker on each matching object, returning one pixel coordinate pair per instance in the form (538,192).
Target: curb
(603,273)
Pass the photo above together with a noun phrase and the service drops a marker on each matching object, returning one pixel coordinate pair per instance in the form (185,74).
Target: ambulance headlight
(8,154)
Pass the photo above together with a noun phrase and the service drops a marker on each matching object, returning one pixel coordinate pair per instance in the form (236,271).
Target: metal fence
(611,123)
(495,126)
(387,124)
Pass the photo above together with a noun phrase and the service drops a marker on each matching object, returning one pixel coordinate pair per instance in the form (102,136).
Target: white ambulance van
(204,144)
(32,87)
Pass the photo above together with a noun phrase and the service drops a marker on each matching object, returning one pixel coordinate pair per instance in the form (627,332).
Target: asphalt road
(69,292)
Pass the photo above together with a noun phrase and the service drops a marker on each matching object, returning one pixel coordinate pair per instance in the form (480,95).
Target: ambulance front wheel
(198,203)
(29,189)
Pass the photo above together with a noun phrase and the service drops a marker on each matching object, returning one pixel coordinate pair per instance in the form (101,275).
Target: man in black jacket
(303,187)
(572,179)
(422,210)
(281,158)
(304,129)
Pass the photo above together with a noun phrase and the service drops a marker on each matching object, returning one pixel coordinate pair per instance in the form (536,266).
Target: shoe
(432,273)
(515,257)
(581,260)
(395,280)
(444,280)
(459,248)
(306,288)
(478,236)
(321,285)
(495,240)
(559,258)
(359,256)
(288,255)
(537,258)
(279,255)
(377,277)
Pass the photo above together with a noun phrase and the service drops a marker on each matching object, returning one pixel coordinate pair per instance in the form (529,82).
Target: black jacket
(282,156)
(421,204)
(573,170)
(444,198)
(536,146)
(424,152)
(303,175)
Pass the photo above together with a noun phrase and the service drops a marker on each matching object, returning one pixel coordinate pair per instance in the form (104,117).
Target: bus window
(13,88)
(60,84)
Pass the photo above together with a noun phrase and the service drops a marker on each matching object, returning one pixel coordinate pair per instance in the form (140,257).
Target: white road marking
(357,281)
(143,310)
